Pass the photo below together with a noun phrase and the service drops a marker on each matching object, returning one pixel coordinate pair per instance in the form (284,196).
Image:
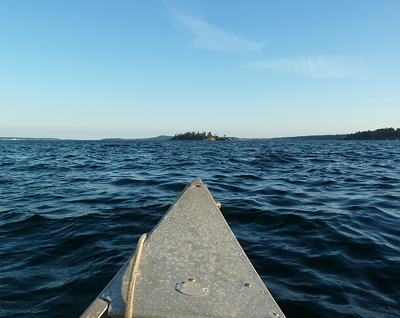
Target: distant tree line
(191,135)
(379,134)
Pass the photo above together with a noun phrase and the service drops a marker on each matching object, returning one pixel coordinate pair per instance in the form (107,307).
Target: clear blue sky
(95,69)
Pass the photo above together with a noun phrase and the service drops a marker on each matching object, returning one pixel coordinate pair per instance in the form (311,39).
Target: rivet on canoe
(248,285)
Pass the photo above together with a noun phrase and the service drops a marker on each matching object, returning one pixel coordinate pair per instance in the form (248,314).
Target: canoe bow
(189,265)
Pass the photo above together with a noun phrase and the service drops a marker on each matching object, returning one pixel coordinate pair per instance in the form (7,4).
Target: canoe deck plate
(191,288)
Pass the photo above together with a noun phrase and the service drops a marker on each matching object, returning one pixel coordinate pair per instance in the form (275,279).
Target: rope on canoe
(132,280)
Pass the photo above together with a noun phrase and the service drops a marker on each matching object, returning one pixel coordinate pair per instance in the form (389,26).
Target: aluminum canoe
(189,265)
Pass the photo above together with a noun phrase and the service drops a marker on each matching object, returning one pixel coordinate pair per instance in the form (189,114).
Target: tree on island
(199,136)
(195,136)
(379,134)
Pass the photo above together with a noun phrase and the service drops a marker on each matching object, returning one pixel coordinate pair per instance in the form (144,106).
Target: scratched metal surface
(193,248)
(191,266)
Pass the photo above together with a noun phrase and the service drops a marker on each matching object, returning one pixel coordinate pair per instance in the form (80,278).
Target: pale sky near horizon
(85,69)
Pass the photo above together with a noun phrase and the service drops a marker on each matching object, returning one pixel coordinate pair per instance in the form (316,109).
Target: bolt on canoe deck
(190,265)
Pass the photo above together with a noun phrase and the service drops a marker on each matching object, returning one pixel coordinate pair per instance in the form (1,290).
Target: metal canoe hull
(191,265)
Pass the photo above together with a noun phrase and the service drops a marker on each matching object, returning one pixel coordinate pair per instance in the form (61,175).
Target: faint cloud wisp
(317,67)
(210,37)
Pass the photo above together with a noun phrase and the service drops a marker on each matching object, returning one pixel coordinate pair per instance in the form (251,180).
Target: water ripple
(319,220)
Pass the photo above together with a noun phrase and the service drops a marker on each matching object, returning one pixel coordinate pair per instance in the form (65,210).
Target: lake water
(320,220)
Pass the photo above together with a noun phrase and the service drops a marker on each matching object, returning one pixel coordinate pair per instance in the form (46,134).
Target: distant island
(200,136)
(378,134)
(27,138)
(158,138)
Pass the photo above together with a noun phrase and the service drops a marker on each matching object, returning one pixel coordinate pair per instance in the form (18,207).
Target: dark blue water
(319,220)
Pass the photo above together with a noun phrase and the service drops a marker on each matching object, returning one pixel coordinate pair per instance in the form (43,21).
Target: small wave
(319,220)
